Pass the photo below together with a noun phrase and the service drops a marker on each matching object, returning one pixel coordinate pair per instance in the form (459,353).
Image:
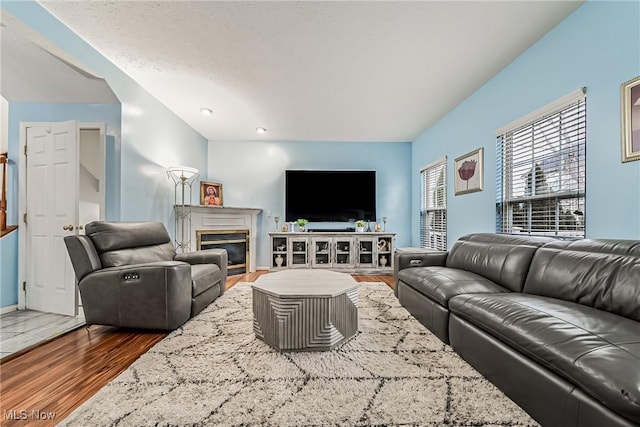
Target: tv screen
(330,195)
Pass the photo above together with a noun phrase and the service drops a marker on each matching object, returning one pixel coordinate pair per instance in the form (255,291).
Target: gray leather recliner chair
(129,275)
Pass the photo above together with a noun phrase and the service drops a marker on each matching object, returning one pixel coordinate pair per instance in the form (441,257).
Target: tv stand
(349,252)
(332,230)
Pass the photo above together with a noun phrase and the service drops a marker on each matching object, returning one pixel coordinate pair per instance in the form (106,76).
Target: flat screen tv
(330,195)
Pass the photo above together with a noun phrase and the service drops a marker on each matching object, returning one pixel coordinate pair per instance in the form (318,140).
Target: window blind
(541,174)
(433,202)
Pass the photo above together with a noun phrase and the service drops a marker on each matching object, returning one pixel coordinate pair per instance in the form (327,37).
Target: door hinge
(25,149)
(24,286)
(24,218)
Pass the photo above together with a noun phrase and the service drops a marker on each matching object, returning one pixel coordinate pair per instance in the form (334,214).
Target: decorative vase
(279,260)
(301,228)
(359,229)
(383,260)
(377,228)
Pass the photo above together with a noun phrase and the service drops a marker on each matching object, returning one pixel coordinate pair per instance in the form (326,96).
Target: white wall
(4,125)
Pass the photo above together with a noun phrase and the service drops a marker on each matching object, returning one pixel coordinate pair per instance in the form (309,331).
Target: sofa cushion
(596,350)
(604,274)
(204,276)
(442,283)
(502,258)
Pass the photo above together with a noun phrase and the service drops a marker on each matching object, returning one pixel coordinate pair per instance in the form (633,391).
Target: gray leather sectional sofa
(554,324)
(129,275)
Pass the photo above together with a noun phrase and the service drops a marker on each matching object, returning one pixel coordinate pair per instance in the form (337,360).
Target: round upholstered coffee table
(305,310)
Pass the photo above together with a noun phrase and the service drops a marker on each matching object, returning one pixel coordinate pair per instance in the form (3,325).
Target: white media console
(362,253)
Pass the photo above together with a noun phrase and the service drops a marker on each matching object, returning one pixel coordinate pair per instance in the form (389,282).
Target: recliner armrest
(153,295)
(208,256)
(404,260)
(83,255)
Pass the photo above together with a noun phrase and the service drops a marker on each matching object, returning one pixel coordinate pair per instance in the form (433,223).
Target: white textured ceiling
(307,70)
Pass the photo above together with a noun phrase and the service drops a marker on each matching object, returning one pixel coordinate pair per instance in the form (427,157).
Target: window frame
(552,141)
(435,236)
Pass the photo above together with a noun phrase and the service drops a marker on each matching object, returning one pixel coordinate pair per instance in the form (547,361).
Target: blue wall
(151,136)
(9,269)
(252,176)
(597,47)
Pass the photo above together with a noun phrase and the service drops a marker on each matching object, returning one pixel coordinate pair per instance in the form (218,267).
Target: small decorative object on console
(279,260)
(360,225)
(301,223)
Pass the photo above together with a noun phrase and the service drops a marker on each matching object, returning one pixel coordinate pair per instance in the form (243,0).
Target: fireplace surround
(225,219)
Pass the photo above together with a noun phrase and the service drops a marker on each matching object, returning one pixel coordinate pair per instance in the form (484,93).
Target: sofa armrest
(154,295)
(208,256)
(424,258)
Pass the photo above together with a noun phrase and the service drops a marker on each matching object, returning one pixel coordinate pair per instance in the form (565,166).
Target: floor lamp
(183,177)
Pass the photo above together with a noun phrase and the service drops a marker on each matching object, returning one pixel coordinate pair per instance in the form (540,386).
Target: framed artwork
(467,171)
(630,119)
(210,193)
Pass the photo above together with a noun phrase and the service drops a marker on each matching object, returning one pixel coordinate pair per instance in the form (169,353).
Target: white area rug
(213,371)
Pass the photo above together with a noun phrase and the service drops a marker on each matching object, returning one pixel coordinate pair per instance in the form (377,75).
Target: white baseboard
(262,268)
(8,309)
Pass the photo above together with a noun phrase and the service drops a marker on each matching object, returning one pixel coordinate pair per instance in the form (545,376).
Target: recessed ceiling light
(261,130)
(206,111)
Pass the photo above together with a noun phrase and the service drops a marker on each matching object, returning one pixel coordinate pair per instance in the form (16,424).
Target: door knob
(67,227)
(79,227)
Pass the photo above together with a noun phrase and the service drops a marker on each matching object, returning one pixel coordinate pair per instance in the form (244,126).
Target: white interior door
(52,213)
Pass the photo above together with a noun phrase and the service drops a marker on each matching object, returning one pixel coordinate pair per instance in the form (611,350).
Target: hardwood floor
(44,385)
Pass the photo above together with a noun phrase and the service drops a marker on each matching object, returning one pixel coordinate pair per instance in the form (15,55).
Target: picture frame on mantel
(210,193)
(630,119)
(467,171)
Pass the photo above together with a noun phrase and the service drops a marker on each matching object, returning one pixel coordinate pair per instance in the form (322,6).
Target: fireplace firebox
(236,242)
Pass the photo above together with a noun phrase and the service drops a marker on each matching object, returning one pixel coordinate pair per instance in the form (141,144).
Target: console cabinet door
(279,253)
(384,252)
(321,252)
(366,252)
(343,252)
(299,252)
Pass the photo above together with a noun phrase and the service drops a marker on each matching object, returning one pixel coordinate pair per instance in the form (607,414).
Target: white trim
(22,208)
(8,308)
(435,162)
(550,108)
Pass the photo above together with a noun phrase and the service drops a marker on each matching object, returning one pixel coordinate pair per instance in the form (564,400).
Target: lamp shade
(182,174)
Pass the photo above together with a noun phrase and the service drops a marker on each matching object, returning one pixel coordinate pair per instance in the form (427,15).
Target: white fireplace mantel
(225,218)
